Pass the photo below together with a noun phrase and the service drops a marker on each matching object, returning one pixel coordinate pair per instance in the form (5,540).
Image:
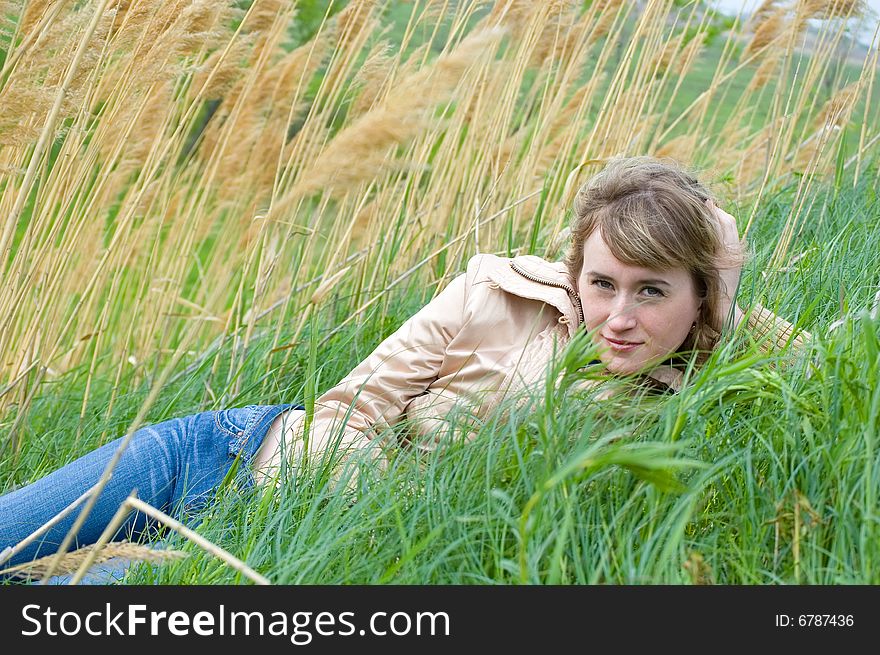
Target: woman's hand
(729,263)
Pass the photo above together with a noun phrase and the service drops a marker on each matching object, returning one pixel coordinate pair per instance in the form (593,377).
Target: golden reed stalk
(184,172)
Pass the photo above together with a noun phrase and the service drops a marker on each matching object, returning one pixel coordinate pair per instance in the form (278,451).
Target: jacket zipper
(552,283)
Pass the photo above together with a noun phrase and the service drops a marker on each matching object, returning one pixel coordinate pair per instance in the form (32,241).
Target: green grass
(566,489)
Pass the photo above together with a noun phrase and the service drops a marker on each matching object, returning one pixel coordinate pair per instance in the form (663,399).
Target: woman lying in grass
(651,273)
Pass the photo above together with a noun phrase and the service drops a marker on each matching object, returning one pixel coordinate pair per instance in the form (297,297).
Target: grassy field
(174,212)
(755,473)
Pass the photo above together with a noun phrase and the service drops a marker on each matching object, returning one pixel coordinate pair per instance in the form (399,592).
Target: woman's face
(639,315)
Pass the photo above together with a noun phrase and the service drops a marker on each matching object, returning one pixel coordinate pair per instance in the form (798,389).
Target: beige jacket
(492,330)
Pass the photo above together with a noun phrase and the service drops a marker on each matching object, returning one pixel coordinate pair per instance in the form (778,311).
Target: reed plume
(681,148)
(353,19)
(767,32)
(373,77)
(815,150)
(218,74)
(70,562)
(826,9)
(838,108)
(606,12)
(767,70)
(35,11)
(763,11)
(359,151)
(19,105)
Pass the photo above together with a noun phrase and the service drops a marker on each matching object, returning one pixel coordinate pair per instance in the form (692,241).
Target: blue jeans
(176,465)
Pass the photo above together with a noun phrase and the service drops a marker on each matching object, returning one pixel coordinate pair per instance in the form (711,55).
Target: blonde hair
(653,214)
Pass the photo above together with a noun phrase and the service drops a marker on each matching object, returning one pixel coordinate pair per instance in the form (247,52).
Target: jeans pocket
(235,421)
(245,427)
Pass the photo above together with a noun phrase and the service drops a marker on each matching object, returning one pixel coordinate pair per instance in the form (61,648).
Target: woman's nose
(622,316)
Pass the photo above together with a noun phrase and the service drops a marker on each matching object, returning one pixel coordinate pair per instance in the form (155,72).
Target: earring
(693,327)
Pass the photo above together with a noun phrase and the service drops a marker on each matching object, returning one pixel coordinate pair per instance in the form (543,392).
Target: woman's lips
(622,346)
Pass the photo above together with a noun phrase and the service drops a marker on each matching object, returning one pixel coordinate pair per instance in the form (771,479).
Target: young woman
(651,273)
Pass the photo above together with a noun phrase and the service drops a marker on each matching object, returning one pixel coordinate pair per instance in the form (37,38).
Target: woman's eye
(602,284)
(653,292)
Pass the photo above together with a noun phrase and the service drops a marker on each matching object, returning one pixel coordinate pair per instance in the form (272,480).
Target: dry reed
(40,569)
(359,152)
(767,32)
(200,170)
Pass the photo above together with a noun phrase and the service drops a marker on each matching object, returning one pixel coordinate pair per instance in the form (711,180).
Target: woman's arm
(402,367)
(374,394)
(772,333)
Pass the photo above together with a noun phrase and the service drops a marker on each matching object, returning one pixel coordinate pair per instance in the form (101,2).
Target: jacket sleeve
(772,333)
(375,393)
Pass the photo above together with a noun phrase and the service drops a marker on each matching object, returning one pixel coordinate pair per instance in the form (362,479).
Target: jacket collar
(531,277)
